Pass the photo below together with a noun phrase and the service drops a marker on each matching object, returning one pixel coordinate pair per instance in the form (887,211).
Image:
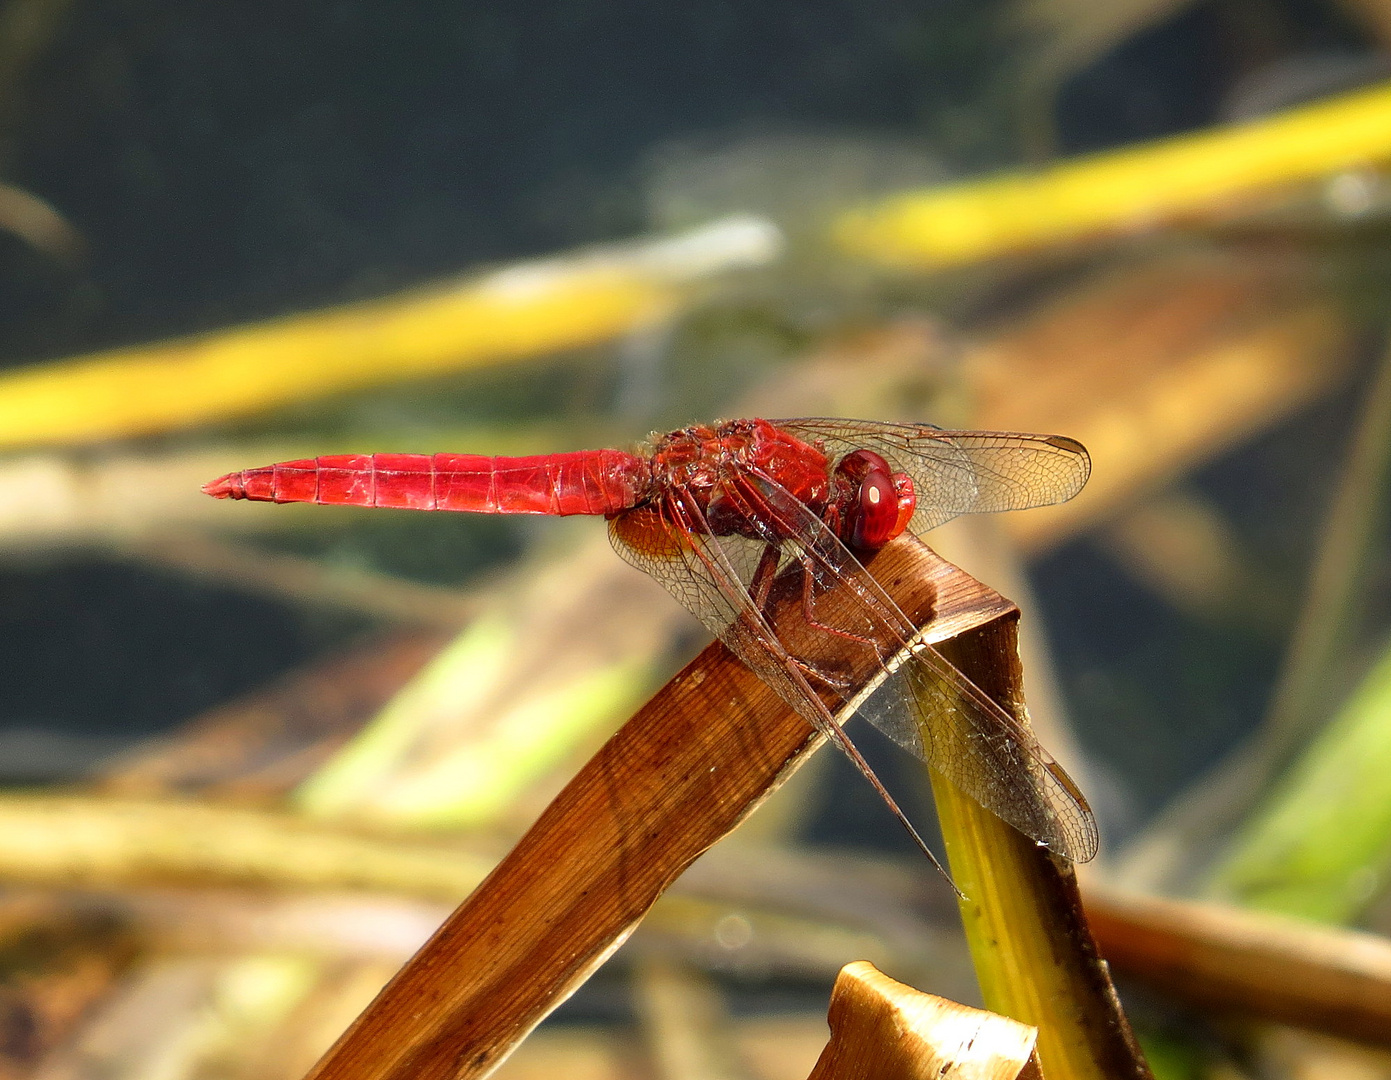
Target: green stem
(1034,955)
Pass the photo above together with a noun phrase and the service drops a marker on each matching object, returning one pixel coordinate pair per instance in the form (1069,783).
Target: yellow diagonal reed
(527,310)
(1120,190)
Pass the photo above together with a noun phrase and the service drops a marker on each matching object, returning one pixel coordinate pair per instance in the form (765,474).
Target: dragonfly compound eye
(872,511)
(878,510)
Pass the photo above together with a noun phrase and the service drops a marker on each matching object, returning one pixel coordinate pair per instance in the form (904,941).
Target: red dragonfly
(717,513)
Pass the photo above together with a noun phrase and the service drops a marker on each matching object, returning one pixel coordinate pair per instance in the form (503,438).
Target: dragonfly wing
(932,710)
(712,577)
(960,472)
(708,576)
(928,706)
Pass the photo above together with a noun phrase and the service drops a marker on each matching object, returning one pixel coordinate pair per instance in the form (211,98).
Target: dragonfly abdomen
(586,482)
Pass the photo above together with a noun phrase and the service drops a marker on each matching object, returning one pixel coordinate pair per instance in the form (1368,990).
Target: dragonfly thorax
(735,474)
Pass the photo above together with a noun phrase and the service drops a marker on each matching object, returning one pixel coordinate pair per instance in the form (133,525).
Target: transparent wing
(708,577)
(926,705)
(715,578)
(711,577)
(930,709)
(960,472)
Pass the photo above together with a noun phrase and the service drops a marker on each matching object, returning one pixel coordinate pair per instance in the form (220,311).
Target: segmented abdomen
(587,482)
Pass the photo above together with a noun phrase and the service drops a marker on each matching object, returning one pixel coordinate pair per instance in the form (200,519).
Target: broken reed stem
(885,1030)
(681,774)
(1035,957)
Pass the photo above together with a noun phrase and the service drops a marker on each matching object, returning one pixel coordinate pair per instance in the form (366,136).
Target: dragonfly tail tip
(226,487)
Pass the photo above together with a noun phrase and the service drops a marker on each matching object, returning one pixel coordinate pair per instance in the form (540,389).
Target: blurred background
(253,754)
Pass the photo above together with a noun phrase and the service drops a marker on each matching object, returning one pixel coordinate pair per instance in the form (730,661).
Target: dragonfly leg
(760,591)
(808,612)
(835,682)
(761,585)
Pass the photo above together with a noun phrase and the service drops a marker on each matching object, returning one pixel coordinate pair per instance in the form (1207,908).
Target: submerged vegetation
(337,723)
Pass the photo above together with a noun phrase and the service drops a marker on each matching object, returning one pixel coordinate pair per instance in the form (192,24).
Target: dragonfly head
(875,503)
